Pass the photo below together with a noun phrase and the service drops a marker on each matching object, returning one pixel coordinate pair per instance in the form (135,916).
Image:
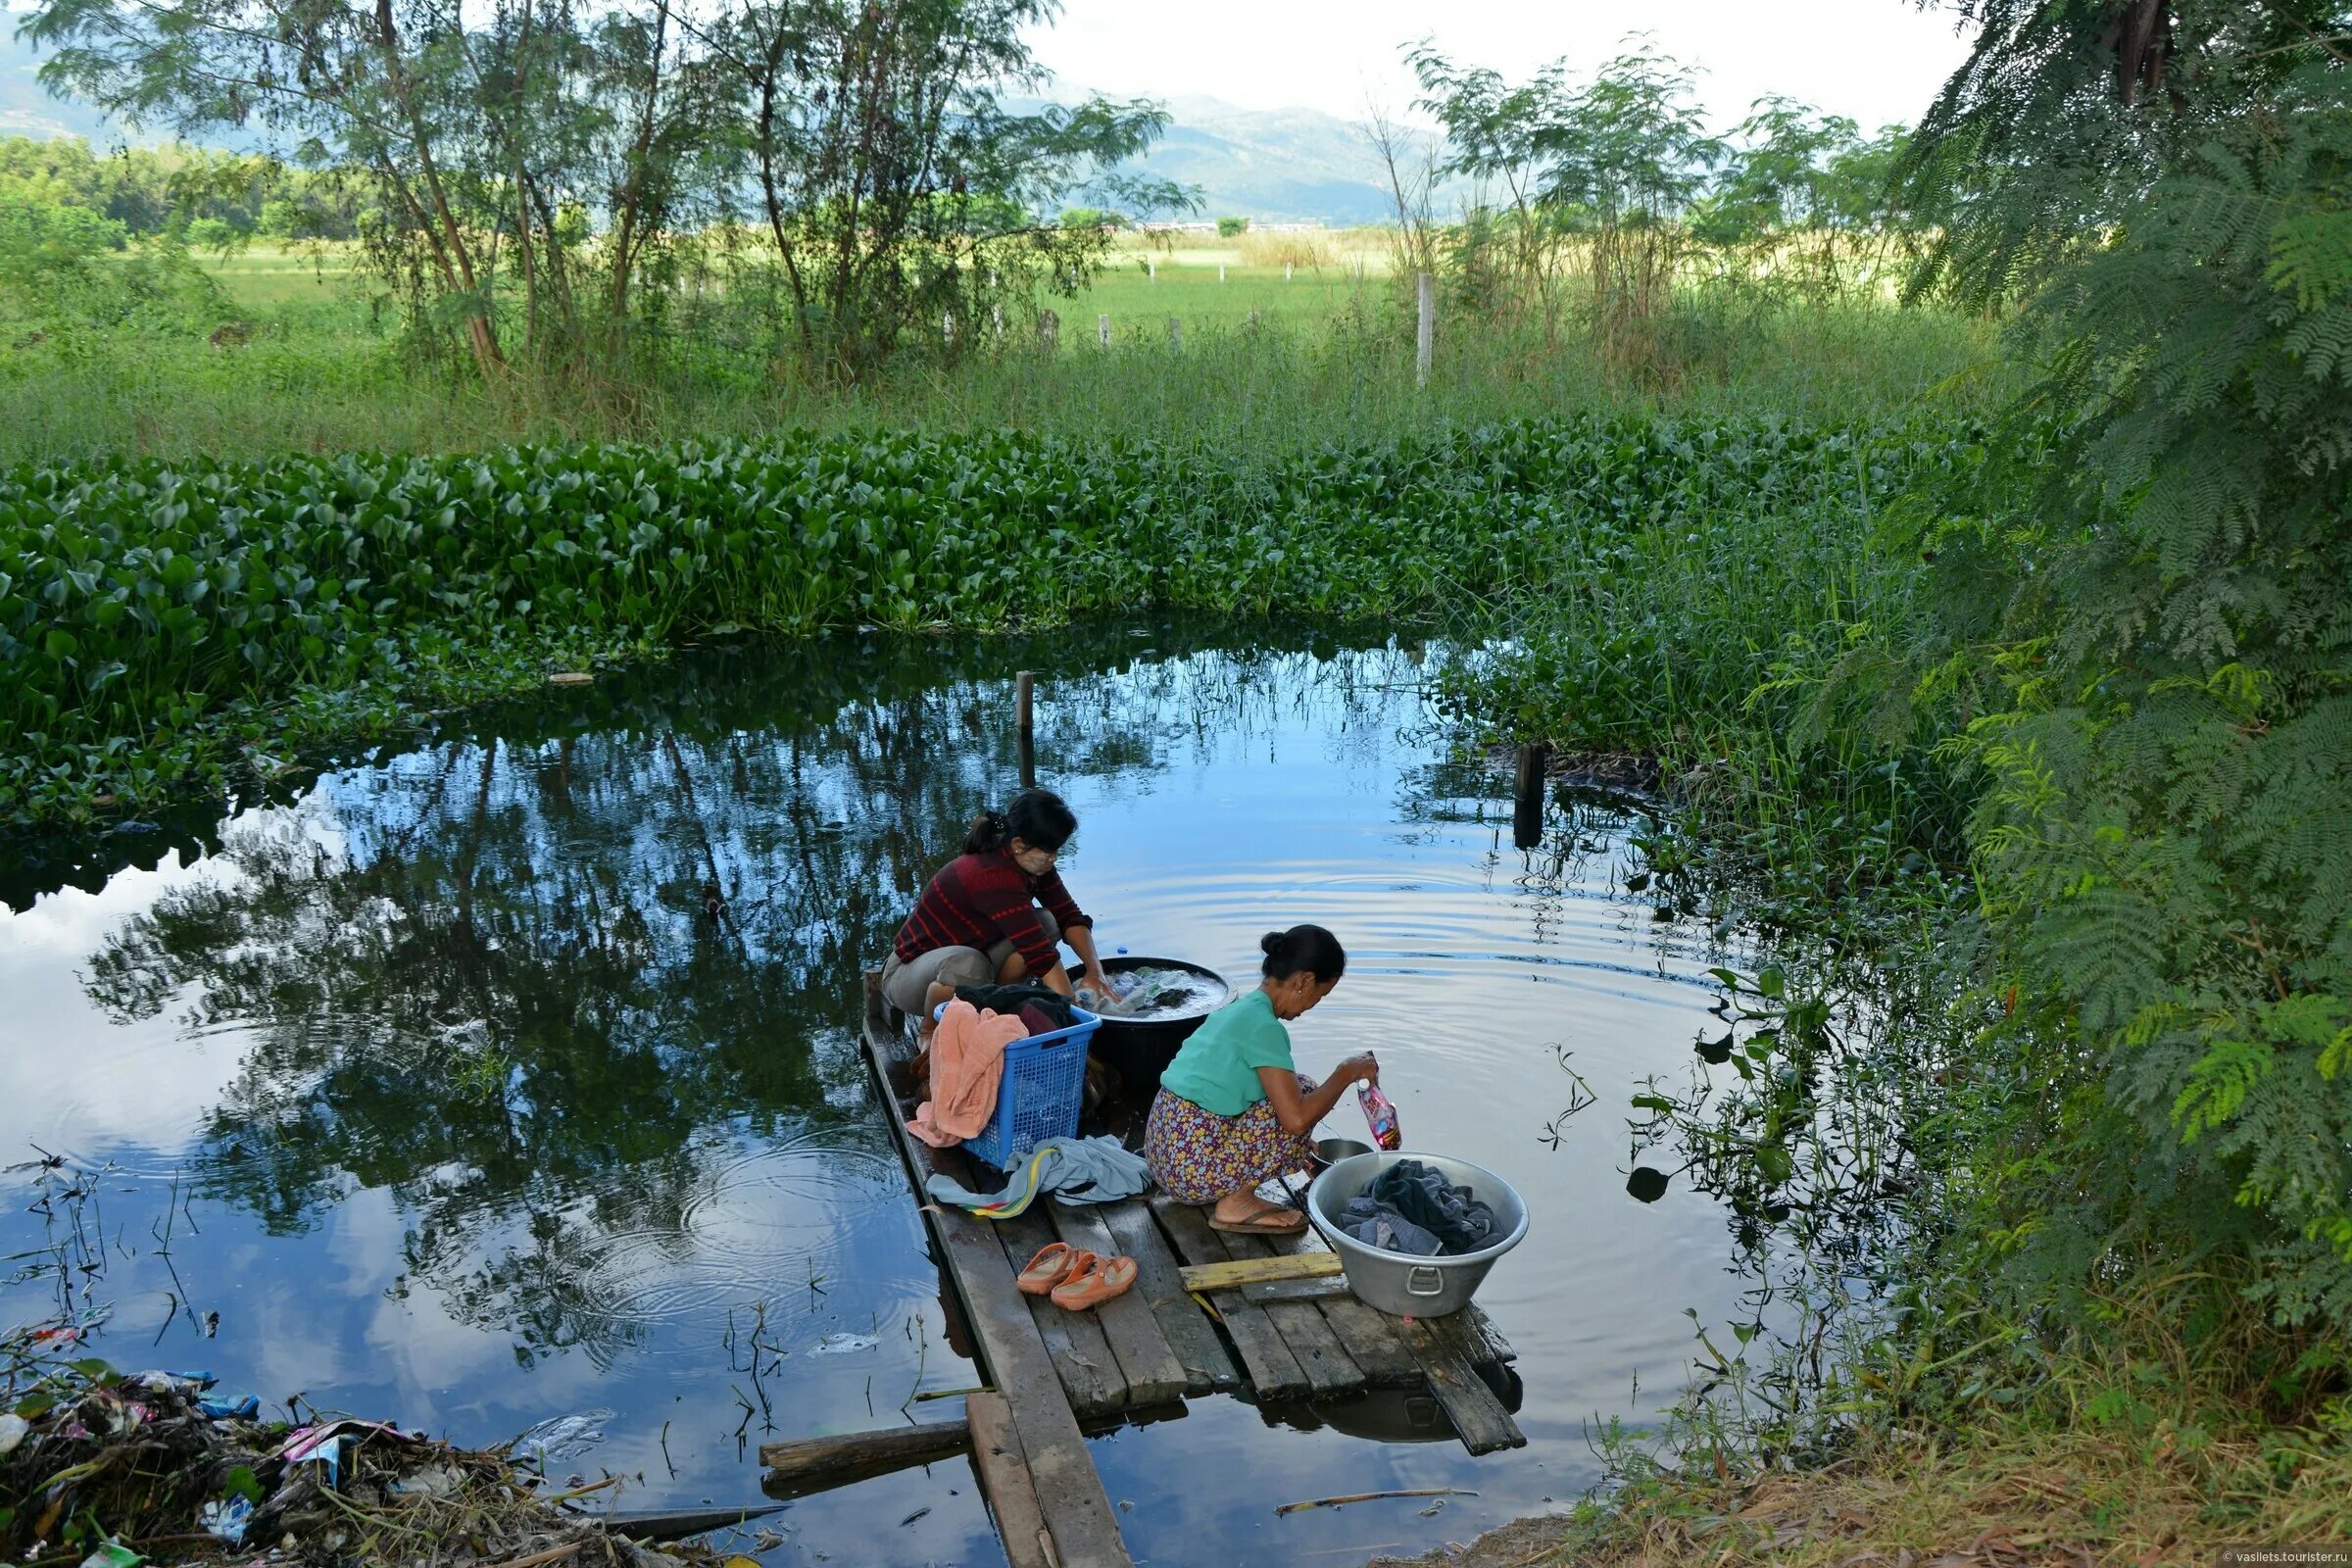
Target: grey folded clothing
(1378,1225)
(1075,1170)
(1418,1211)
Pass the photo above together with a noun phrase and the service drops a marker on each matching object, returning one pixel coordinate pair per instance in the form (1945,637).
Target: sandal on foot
(1094,1282)
(1271,1220)
(1054,1262)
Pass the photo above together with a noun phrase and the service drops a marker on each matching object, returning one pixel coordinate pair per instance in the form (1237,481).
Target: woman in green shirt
(1231,1111)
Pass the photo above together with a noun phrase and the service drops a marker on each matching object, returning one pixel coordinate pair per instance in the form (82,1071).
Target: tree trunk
(630,231)
(456,262)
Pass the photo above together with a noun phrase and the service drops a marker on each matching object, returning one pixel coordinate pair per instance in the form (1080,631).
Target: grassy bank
(315,368)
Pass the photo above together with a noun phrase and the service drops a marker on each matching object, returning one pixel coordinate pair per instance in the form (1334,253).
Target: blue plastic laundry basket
(1045,1082)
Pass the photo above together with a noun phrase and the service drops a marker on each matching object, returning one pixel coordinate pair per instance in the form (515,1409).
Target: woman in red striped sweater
(996,913)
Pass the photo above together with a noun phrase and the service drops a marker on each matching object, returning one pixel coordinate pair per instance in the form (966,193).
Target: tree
(1620,160)
(2066,114)
(1232,228)
(2159,641)
(896,184)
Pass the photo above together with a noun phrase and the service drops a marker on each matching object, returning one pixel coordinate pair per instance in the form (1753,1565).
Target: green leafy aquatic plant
(154,617)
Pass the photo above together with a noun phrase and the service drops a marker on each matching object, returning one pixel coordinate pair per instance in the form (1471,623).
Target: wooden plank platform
(1276,1324)
(1080,1523)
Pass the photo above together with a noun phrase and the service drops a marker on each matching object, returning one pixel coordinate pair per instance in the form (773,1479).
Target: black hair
(1037,817)
(1303,948)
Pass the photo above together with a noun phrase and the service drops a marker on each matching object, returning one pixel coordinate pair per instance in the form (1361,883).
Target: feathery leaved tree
(2158,646)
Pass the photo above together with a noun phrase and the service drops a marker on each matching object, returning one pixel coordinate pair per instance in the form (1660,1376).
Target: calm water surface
(475,1119)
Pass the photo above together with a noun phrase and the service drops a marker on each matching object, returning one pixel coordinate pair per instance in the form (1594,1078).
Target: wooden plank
(1154,1374)
(1006,1481)
(1273,1372)
(1316,1290)
(1082,1356)
(1330,1370)
(1077,1513)
(894,1448)
(1369,1334)
(1303,1265)
(1493,1349)
(1190,1332)
(1478,1417)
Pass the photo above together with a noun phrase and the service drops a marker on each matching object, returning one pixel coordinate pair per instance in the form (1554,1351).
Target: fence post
(1102,327)
(996,316)
(1425,340)
(946,327)
(1286,271)
(1175,331)
(1048,329)
(1023,687)
(1220,271)
(1152,265)
(1527,795)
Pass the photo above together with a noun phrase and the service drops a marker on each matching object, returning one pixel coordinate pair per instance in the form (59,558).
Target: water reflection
(486,1115)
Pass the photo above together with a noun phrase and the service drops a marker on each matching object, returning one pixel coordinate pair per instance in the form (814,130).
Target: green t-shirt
(1217,1069)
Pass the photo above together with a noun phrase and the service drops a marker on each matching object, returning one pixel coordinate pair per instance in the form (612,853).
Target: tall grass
(311,382)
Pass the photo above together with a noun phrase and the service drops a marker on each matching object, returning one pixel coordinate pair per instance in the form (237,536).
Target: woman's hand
(1360,1068)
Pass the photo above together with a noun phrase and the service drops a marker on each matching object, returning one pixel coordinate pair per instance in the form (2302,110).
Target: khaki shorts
(906,985)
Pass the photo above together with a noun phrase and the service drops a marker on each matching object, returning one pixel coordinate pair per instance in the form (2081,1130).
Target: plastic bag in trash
(560,1438)
(228,1520)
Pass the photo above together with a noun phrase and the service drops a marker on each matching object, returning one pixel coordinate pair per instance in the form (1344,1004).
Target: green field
(262,277)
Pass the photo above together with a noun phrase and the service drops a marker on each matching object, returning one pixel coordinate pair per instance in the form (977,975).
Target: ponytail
(1037,817)
(1302,949)
(987,833)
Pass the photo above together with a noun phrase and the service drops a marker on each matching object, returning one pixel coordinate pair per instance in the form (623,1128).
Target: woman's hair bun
(1303,948)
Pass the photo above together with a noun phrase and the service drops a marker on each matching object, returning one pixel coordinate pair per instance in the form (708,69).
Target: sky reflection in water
(478,1119)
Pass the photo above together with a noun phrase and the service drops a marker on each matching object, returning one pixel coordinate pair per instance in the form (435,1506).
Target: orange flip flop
(1094,1282)
(1054,1262)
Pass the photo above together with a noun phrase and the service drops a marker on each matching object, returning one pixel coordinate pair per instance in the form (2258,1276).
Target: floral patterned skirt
(1197,1156)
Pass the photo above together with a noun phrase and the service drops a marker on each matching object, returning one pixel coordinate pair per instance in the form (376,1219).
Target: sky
(1877,61)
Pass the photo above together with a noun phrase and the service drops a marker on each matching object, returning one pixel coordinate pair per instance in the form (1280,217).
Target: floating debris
(843,1344)
(560,1438)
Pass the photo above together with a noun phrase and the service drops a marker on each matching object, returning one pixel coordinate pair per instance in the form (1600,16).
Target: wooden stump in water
(1527,798)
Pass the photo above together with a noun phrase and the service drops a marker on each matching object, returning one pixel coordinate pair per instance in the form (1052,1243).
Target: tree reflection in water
(482,974)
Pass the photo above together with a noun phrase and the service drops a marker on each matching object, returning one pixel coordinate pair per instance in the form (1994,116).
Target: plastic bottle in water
(1381,1116)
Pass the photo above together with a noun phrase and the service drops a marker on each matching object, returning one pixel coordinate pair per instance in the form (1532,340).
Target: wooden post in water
(1426,338)
(1102,327)
(1527,797)
(1024,685)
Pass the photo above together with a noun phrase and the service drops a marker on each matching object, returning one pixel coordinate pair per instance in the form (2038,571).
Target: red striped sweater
(977,900)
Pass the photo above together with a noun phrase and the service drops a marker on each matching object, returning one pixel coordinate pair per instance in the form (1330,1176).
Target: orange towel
(968,1065)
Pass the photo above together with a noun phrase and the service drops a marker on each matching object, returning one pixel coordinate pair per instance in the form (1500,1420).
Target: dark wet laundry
(1408,1208)
(1014,999)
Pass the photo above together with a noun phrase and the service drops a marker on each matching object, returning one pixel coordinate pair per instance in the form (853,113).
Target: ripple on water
(768,1220)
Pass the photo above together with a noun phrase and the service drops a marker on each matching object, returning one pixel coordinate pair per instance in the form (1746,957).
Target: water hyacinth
(142,603)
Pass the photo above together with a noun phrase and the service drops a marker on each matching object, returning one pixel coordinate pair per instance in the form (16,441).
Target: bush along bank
(162,624)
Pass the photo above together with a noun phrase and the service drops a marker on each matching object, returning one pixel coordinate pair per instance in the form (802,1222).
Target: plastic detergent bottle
(1381,1116)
